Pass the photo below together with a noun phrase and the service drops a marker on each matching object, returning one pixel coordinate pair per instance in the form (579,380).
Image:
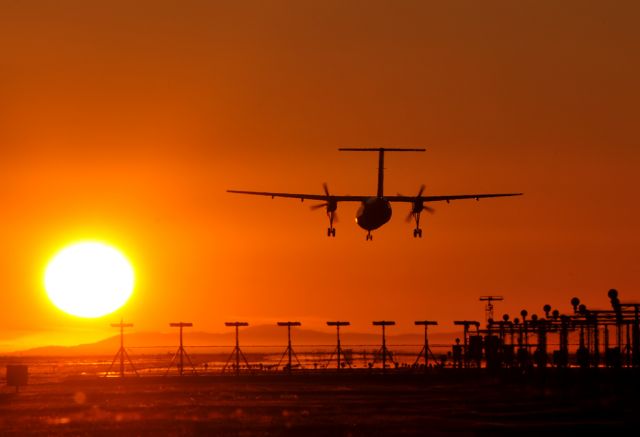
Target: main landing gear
(369,236)
(331,205)
(417,232)
(416,209)
(331,231)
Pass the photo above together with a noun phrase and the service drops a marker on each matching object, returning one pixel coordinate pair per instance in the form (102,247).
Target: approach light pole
(385,351)
(181,353)
(338,324)
(289,349)
(122,352)
(425,348)
(236,351)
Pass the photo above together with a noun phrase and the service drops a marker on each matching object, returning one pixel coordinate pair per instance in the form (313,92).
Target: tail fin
(381,151)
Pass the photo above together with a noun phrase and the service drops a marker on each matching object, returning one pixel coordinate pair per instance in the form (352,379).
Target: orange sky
(126,121)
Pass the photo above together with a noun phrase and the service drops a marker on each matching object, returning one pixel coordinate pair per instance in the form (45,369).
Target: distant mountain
(261,335)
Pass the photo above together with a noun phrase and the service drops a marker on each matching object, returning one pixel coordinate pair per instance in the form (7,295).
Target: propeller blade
(409,217)
(420,191)
(326,189)
(428,209)
(314,207)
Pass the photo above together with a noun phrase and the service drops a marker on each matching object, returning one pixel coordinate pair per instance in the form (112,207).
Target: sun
(89,279)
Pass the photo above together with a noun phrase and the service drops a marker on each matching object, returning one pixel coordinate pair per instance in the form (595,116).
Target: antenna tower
(488,309)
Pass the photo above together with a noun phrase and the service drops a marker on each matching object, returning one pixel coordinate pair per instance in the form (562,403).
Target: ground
(464,401)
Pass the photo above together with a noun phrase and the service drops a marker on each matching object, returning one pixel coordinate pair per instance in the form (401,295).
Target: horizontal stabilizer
(379,149)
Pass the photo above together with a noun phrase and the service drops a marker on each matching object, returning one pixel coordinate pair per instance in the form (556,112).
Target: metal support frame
(425,351)
(237,352)
(289,350)
(181,353)
(465,324)
(338,350)
(383,350)
(122,352)
(489,307)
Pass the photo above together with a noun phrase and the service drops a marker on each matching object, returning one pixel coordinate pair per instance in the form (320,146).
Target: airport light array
(605,338)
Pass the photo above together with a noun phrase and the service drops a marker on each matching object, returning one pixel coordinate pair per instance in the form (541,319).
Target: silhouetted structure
(585,337)
(593,328)
(181,353)
(237,352)
(383,350)
(470,344)
(456,354)
(122,352)
(289,351)
(488,309)
(338,350)
(425,351)
(623,318)
(17,375)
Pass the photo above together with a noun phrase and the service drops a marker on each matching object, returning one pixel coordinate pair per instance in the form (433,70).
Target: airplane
(375,210)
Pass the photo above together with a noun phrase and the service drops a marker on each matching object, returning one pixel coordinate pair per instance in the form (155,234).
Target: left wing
(303,196)
(412,199)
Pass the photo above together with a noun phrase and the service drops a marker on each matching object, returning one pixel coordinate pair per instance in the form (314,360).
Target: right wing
(447,198)
(303,197)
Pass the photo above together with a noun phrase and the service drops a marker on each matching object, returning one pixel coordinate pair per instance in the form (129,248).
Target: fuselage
(373,213)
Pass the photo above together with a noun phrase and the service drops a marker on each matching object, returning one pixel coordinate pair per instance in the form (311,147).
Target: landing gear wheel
(333,232)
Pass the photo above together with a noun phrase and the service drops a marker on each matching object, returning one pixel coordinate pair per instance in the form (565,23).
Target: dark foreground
(449,401)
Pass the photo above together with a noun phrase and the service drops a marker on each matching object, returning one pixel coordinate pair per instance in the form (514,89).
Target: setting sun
(89,279)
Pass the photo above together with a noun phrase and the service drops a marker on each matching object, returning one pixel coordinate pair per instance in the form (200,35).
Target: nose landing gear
(369,236)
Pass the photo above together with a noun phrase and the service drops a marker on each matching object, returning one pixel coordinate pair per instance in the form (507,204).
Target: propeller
(418,205)
(330,205)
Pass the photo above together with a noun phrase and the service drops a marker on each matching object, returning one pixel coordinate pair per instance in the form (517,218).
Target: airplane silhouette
(375,211)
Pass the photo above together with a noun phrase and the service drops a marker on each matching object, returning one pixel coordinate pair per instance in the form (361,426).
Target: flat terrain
(445,401)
